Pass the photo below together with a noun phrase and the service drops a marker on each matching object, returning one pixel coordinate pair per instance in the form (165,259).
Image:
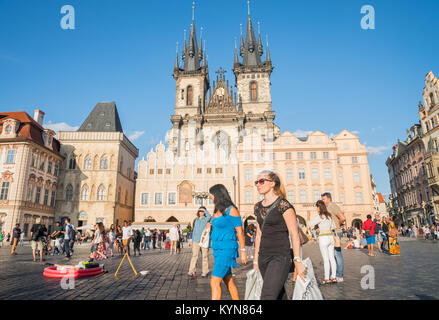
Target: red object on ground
(52,272)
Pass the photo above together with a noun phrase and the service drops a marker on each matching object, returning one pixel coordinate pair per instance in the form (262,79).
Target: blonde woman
(276,221)
(173,236)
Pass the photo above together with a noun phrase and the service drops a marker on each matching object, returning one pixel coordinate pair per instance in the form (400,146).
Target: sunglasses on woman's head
(261,181)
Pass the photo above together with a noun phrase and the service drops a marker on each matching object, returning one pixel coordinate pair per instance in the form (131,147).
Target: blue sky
(329,73)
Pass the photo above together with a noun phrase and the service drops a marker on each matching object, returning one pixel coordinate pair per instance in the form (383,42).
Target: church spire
(193,54)
(176,65)
(251,50)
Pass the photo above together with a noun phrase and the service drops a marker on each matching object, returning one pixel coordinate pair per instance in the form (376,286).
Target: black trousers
(274,271)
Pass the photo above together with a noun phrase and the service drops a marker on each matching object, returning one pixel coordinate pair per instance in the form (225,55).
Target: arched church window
(101,193)
(85,193)
(69,192)
(104,163)
(432,99)
(189,94)
(87,162)
(253,91)
(72,162)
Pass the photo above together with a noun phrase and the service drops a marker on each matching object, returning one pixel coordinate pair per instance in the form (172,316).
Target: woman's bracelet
(243,249)
(255,262)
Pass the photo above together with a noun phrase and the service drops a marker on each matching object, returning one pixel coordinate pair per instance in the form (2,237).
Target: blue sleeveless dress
(225,243)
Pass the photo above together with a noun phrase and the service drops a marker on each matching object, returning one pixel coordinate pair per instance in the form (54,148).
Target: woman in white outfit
(173,236)
(326,240)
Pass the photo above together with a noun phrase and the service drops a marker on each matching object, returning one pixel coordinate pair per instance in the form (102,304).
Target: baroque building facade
(411,195)
(429,118)
(29,166)
(97,177)
(222,136)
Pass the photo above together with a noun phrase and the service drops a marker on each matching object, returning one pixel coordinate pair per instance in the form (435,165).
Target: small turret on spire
(267,54)
(260,49)
(236,53)
(176,65)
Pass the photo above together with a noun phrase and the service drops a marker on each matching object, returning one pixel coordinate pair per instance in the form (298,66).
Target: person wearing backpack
(37,233)
(369,228)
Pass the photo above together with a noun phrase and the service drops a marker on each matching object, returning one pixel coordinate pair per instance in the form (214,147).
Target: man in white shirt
(127,235)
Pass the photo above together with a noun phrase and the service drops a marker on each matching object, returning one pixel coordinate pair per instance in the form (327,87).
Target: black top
(16,233)
(38,231)
(275,239)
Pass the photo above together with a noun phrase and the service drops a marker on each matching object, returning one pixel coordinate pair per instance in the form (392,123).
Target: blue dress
(225,243)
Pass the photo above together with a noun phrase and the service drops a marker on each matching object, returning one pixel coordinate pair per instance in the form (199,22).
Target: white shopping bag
(205,238)
(253,285)
(308,289)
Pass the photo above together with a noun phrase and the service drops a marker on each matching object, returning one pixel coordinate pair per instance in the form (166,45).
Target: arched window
(72,162)
(189,95)
(87,163)
(101,193)
(432,99)
(253,91)
(104,163)
(85,193)
(126,197)
(121,164)
(69,192)
(119,192)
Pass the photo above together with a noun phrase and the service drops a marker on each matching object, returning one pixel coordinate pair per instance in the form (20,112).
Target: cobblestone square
(408,276)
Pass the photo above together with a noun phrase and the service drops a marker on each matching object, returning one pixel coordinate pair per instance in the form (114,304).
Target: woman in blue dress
(227,237)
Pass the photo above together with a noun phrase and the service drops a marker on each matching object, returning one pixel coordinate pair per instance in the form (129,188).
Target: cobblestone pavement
(412,275)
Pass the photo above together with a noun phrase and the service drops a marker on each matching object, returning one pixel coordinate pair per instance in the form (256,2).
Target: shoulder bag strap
(268,212)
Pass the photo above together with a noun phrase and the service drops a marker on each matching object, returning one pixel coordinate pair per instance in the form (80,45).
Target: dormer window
(8,129)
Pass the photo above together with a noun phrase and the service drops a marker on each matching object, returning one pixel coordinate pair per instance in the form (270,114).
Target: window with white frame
(158,199)
(299,155)
(290,196)
(4,191)
(247,157)
(327,173)
(315,173)
(313,155)
(248,197)
(356,176)
(354,160)
(342,197)
(359,197)
(288,156)
(172,198)
(303,196)
(326,155)
(301,174)
(316,195)
(248,174)
(30,192)
(144,199)
(10,158)
(289,173)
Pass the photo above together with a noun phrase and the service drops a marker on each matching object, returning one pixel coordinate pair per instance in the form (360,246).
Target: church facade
(220,135)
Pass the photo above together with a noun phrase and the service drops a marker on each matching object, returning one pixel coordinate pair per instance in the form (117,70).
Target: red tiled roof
(380,198)
(29,129)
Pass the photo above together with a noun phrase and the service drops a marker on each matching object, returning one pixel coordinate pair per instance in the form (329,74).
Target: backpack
(37,234)
(377,229)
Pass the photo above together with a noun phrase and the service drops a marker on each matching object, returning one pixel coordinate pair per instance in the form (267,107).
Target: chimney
(39,116)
